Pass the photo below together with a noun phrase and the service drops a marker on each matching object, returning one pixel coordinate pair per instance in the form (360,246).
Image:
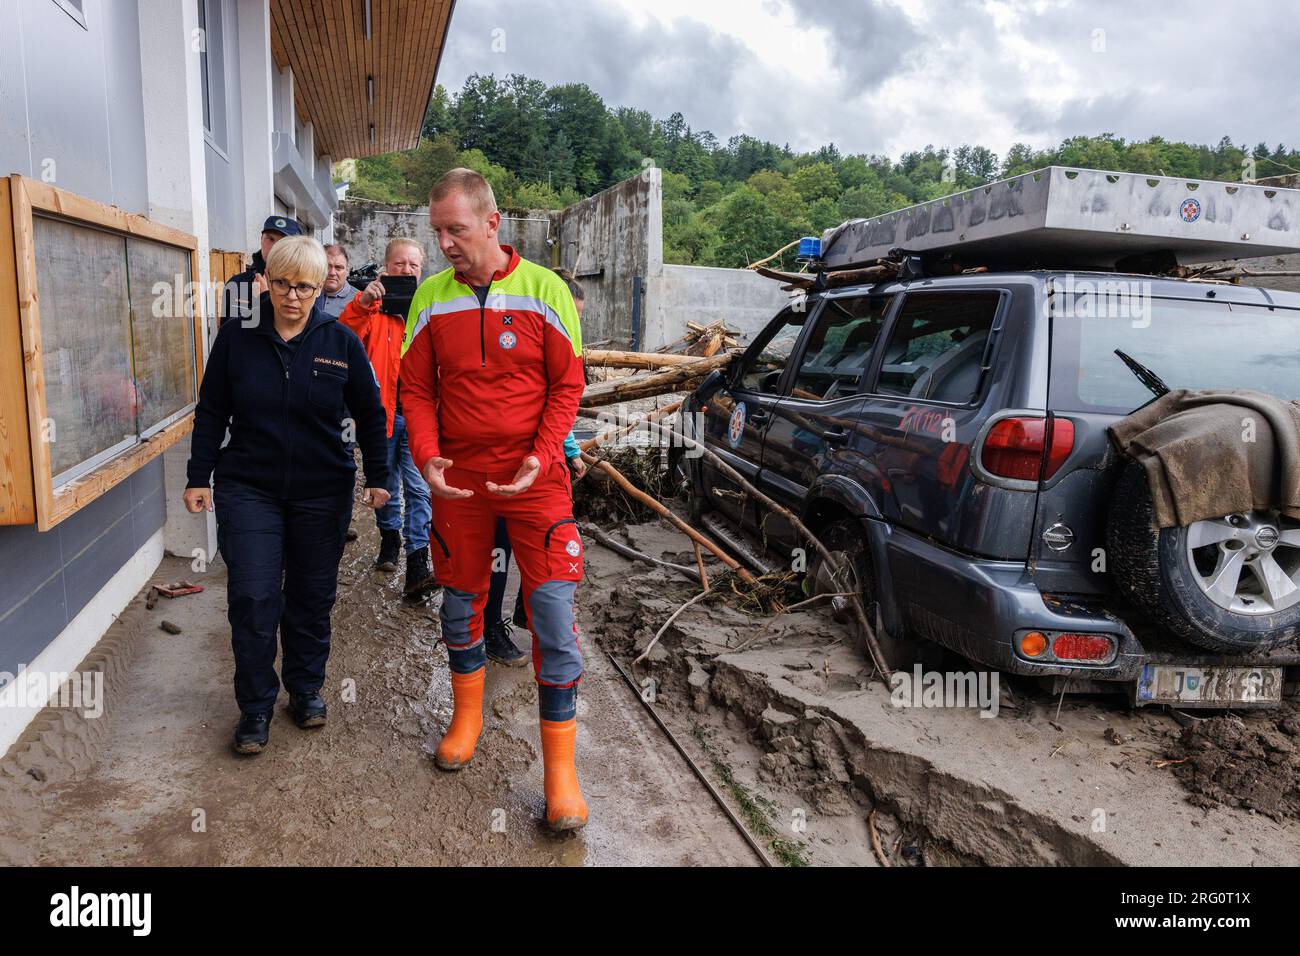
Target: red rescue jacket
(487,385)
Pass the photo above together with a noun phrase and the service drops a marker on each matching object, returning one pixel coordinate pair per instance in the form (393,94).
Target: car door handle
(759,415)
(835,436)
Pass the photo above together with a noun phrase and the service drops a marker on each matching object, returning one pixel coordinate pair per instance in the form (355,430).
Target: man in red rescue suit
(491,376)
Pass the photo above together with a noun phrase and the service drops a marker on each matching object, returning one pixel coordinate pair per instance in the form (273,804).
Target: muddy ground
(779,710)
(788,704)
(157,783)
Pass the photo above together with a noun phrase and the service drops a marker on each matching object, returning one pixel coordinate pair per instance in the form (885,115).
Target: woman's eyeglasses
(303,290)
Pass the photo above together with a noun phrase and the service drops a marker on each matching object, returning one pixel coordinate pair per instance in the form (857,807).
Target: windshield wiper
(1144,375)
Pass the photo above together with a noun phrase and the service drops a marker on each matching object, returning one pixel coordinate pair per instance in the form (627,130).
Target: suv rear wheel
(846,544)
(1229,584)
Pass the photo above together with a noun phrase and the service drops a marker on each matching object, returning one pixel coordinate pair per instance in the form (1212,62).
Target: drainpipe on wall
(636,314)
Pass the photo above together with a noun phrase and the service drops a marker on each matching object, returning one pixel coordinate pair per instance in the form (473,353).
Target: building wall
(47,578)
(741,298)
(71,112)
(75,119)
(608,241)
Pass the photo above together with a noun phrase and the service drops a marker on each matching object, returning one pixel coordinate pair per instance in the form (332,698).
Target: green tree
(439,117)
(815,182)
(692,242)
(824,214)
(575,112)
(747,229)
(790,210)
(864,201)
(767,180)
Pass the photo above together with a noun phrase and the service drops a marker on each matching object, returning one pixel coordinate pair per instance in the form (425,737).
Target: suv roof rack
(1058,217)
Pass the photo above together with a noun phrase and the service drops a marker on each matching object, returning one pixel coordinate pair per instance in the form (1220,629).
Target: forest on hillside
(729,204)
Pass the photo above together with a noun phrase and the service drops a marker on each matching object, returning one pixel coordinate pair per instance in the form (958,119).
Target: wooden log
(628,552)
(659,508)
(612,358)
(799,280)
(658,413)
(699,563)
(707,345)
(859,612)
(645,390)
(679,378)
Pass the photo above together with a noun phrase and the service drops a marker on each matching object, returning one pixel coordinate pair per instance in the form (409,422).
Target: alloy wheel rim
(1246,563)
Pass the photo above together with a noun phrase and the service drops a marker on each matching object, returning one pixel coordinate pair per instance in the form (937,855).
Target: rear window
(1187,343)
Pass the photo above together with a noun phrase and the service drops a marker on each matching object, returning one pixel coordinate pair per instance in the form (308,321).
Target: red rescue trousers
(547,550)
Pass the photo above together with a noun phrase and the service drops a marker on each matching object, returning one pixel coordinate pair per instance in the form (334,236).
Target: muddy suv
(947,436)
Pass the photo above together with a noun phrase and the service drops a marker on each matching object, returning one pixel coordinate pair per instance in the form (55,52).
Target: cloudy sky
(893,75)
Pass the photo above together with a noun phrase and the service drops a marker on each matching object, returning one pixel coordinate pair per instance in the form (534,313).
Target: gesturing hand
(434,476)
(524,477)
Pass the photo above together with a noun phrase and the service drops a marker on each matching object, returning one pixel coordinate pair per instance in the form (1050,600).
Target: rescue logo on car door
(736,427)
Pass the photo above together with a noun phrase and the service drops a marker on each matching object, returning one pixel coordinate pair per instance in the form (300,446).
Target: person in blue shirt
(497,638)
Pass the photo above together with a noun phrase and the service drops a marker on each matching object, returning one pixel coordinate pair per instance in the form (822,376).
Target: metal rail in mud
(695,768)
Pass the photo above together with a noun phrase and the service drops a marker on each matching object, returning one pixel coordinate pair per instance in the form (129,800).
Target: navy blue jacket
(287,415)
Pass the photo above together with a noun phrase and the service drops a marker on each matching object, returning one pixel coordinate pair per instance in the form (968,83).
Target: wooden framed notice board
(101,347)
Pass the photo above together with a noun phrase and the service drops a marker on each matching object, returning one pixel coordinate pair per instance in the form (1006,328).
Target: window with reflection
(117,346)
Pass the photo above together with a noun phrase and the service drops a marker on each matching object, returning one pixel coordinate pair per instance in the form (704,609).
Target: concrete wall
(741,298)
(364,228)
(608,241)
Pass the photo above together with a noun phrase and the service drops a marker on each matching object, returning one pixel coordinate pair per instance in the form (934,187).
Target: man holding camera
(381,330)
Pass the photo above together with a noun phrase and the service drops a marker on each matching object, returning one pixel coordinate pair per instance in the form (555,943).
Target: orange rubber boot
(565,808)
(457,744)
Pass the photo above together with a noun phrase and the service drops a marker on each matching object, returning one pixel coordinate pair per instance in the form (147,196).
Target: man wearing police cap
(241,292)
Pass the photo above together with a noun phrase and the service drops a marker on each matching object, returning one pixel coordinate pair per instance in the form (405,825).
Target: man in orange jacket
(382,333)
(492,375)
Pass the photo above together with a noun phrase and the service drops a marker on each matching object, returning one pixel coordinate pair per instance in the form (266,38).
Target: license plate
(1209,686)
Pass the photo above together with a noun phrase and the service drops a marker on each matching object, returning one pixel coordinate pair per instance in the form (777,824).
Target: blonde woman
(283,382)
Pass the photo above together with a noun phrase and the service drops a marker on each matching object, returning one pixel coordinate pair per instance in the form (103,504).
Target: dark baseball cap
(284,225)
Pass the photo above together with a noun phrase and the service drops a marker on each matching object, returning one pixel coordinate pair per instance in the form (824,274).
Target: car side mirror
(712,384)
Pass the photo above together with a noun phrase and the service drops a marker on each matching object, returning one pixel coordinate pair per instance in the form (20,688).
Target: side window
(839,347)
(937,347)
(763,368)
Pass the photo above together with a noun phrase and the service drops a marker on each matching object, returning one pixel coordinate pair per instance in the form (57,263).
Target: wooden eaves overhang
(363,69)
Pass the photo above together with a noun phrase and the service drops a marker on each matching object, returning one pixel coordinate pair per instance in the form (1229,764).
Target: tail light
(1066,647)
(1028,449)
(1082,647)
(1033,644)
